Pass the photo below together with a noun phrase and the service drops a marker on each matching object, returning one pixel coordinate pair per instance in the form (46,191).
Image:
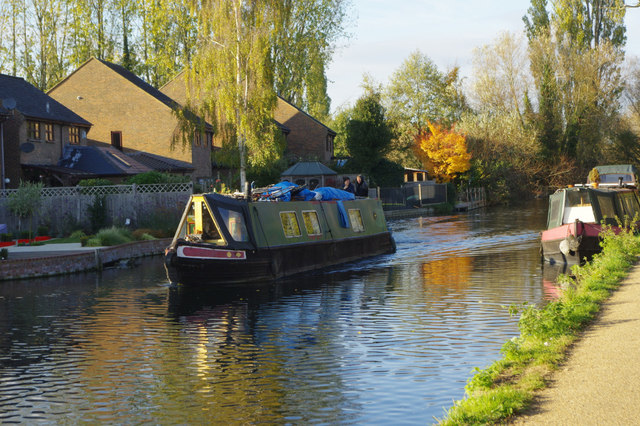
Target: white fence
(65,209)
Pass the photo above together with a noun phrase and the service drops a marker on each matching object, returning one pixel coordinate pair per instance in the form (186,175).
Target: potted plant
(594,177)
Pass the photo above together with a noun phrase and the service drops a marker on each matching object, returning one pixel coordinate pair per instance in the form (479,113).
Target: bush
(95,182)
(6,238)
(98,212)
(156,177)
(42,230)
(4,254)
(113,236)
(147,234)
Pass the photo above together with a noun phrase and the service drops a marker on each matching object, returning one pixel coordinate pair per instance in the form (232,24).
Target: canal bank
(548,340)
(600,381)
(57,259)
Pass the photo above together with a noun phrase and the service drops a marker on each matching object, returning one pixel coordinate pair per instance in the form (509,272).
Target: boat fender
(569,245)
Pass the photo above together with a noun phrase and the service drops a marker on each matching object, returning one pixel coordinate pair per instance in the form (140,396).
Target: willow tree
(230,80)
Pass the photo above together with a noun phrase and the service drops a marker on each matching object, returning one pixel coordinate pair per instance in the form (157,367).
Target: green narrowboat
(222,239)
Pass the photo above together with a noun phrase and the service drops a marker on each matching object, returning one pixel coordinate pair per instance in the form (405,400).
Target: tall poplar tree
(230,80)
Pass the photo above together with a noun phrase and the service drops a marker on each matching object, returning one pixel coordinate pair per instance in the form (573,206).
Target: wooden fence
(65,209)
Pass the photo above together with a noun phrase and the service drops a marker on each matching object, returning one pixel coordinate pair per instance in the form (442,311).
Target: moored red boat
(577,214)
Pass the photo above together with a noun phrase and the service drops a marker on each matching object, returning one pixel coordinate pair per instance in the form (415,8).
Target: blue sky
(447,31)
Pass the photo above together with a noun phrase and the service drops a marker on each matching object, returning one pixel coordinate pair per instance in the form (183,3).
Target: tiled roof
(140,83)
(332,132)
(101,161)
(33,103)
(308,168)
(161,164)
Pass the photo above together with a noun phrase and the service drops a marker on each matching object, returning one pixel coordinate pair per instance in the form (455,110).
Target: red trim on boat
(207,253)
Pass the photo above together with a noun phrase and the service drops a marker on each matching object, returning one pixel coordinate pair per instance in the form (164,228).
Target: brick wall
(66,264)
(308,138)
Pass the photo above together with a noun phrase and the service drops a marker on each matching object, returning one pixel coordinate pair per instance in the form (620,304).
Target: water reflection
(388,340)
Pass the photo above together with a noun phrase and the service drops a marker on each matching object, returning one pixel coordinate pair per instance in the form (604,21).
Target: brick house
(36,129)
(131,115)
(306,137)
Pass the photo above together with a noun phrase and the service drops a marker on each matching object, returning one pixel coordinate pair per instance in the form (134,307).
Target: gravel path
(599,383)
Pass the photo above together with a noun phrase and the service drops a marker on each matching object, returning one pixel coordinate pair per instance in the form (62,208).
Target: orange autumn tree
(443,152)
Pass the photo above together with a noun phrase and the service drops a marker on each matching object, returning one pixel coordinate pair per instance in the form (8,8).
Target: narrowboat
(576,217)
(226,240)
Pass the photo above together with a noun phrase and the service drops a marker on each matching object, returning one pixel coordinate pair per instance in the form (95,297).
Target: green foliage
(153,177)
(501,390)
(4,238)
(97,212)
(110,237)
(386,173)
(368,135)
(306,34)
(95,182)
(43,230)
(26,201)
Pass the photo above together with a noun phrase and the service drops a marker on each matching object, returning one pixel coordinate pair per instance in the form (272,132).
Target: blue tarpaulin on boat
(281,190)
(342,214)
(328,193)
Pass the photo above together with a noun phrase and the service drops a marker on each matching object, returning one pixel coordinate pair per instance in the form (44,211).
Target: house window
(74,135)
(48,131)
(356,220)
(33,129)
(197,139)
(116,140)
(329,143)
(290,225)
(311,223)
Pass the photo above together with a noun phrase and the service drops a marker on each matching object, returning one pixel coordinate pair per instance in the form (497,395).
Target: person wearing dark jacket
(362,190)
(348,186)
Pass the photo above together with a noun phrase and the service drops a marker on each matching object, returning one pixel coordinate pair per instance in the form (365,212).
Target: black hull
(277,262)
(588,247)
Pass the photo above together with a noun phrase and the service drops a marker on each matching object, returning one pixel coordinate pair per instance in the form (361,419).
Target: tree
(443,152)
(576,58)
(25,202)
(500,76)
(419,93)
(368,135)
(305,36)
(230,80)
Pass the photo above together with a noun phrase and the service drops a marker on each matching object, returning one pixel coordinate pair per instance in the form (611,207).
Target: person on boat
(348,186)
(361,188)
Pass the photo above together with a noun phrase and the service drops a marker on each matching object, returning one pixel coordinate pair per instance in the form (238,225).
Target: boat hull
(571,243)
(227,267)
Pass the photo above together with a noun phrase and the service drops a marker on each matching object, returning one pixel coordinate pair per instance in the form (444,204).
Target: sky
(385,32)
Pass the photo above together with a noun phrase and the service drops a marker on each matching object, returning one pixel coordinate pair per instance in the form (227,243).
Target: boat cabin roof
(592,206)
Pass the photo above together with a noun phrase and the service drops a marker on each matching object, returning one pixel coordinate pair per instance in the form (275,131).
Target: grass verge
(506,387)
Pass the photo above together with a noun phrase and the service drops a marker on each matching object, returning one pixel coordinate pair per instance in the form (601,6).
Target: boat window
(615,178)
(311,223)
(578,207)
(210,232)
(606,206)
(555,210)
(290,224)
(629,204)
(234,221)
(356,220)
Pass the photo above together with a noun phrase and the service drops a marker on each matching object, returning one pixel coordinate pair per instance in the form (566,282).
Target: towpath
(599,383)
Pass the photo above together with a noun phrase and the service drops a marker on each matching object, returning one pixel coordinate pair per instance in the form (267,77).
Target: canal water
(391,340)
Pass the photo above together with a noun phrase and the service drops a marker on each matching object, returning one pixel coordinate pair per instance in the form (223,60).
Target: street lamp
(9,104)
